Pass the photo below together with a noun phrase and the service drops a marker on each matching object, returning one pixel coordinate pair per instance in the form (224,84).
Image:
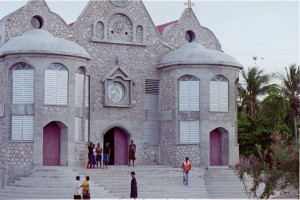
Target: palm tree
(255,84)
(291,88)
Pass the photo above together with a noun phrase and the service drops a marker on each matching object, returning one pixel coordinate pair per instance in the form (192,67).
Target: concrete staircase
(153,182)
(223,183)
(47,183)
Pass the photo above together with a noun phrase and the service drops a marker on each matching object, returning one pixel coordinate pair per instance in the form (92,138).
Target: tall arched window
(189,98)
(219,94)
(23,84)
(79,85)
(22,93)
(56,85)
(189,101)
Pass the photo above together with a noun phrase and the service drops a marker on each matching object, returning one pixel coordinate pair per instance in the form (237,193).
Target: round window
(37,22)
(190,36)
(116,91)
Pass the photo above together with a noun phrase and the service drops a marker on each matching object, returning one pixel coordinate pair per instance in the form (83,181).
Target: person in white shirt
(77,188)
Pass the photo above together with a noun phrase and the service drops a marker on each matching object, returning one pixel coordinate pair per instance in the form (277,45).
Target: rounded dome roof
(195,54)
(38,41)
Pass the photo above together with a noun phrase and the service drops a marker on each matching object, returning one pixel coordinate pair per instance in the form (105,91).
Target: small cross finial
(189,3)
(117,60)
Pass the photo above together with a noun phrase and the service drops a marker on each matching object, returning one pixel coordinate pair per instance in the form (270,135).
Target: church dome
(38,41)
(195,54)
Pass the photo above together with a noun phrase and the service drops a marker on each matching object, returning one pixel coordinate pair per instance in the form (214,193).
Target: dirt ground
(289,193)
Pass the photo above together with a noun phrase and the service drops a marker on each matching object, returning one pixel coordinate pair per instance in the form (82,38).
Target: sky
(267,30)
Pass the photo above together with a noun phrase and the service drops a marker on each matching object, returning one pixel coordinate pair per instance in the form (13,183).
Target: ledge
(118,42)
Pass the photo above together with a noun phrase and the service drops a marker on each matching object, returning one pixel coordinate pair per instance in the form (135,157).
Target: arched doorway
(51,144)
(118,142)
(215,148)
(219,147)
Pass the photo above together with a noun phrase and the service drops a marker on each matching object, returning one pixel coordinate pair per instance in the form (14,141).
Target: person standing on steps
(186,167)
(99,155)
(94,156)
(133,190)
(86,191)
(90,156)
(106,155)
(76,188)
(131,153)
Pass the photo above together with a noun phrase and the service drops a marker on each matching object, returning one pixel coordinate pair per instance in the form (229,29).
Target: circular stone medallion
(119,2)
(116,92)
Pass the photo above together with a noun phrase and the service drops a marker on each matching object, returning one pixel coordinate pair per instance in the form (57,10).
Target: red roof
(161,28)
(72,24)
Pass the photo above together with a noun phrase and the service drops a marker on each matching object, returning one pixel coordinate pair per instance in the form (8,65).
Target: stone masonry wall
(138,59)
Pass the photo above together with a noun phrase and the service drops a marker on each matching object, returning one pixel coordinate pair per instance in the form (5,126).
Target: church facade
(113,76)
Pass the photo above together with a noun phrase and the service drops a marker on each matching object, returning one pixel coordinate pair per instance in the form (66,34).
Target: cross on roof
(189,3)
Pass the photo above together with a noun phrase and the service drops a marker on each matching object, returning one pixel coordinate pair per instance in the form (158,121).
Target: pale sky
(268,30)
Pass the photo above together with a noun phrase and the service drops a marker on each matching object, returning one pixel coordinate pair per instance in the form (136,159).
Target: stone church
(114,76)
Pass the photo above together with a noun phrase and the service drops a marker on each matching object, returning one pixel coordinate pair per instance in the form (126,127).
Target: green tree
(277,167)
(255,83)
(273,110)
(291,88)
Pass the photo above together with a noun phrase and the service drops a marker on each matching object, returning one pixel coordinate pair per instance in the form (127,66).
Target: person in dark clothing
(106,154)
(131,153)
(91,156)
(133,191)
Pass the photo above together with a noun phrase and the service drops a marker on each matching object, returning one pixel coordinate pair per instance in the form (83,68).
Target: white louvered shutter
(184,95)
(189,131)
(189,94)
(16,127)
(224,96)
(78,123)
(79,84)
(86,130)
(62,87)
(23,84)
(194,131)
(27,127)
(28,86)
(22,127)
(18,86)
(50,87)
(214,95)
(87,91)
(184,131)
(194,97)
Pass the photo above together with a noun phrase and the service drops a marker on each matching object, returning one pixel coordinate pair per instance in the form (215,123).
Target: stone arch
(219,147)
(19,63)
(219,76)
(140,34)
(188,76)
(120,28)
(118,138)
(55,144)
(99,30)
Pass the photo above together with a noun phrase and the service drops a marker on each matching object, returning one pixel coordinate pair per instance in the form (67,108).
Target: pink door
(120,147)
(51,145)
(215,148)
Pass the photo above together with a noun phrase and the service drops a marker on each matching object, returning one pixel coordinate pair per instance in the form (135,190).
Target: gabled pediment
(117,72)
(176,34)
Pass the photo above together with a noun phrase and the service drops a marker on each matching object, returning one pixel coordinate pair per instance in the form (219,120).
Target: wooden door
(51,145)
(215,148)
(120,147)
